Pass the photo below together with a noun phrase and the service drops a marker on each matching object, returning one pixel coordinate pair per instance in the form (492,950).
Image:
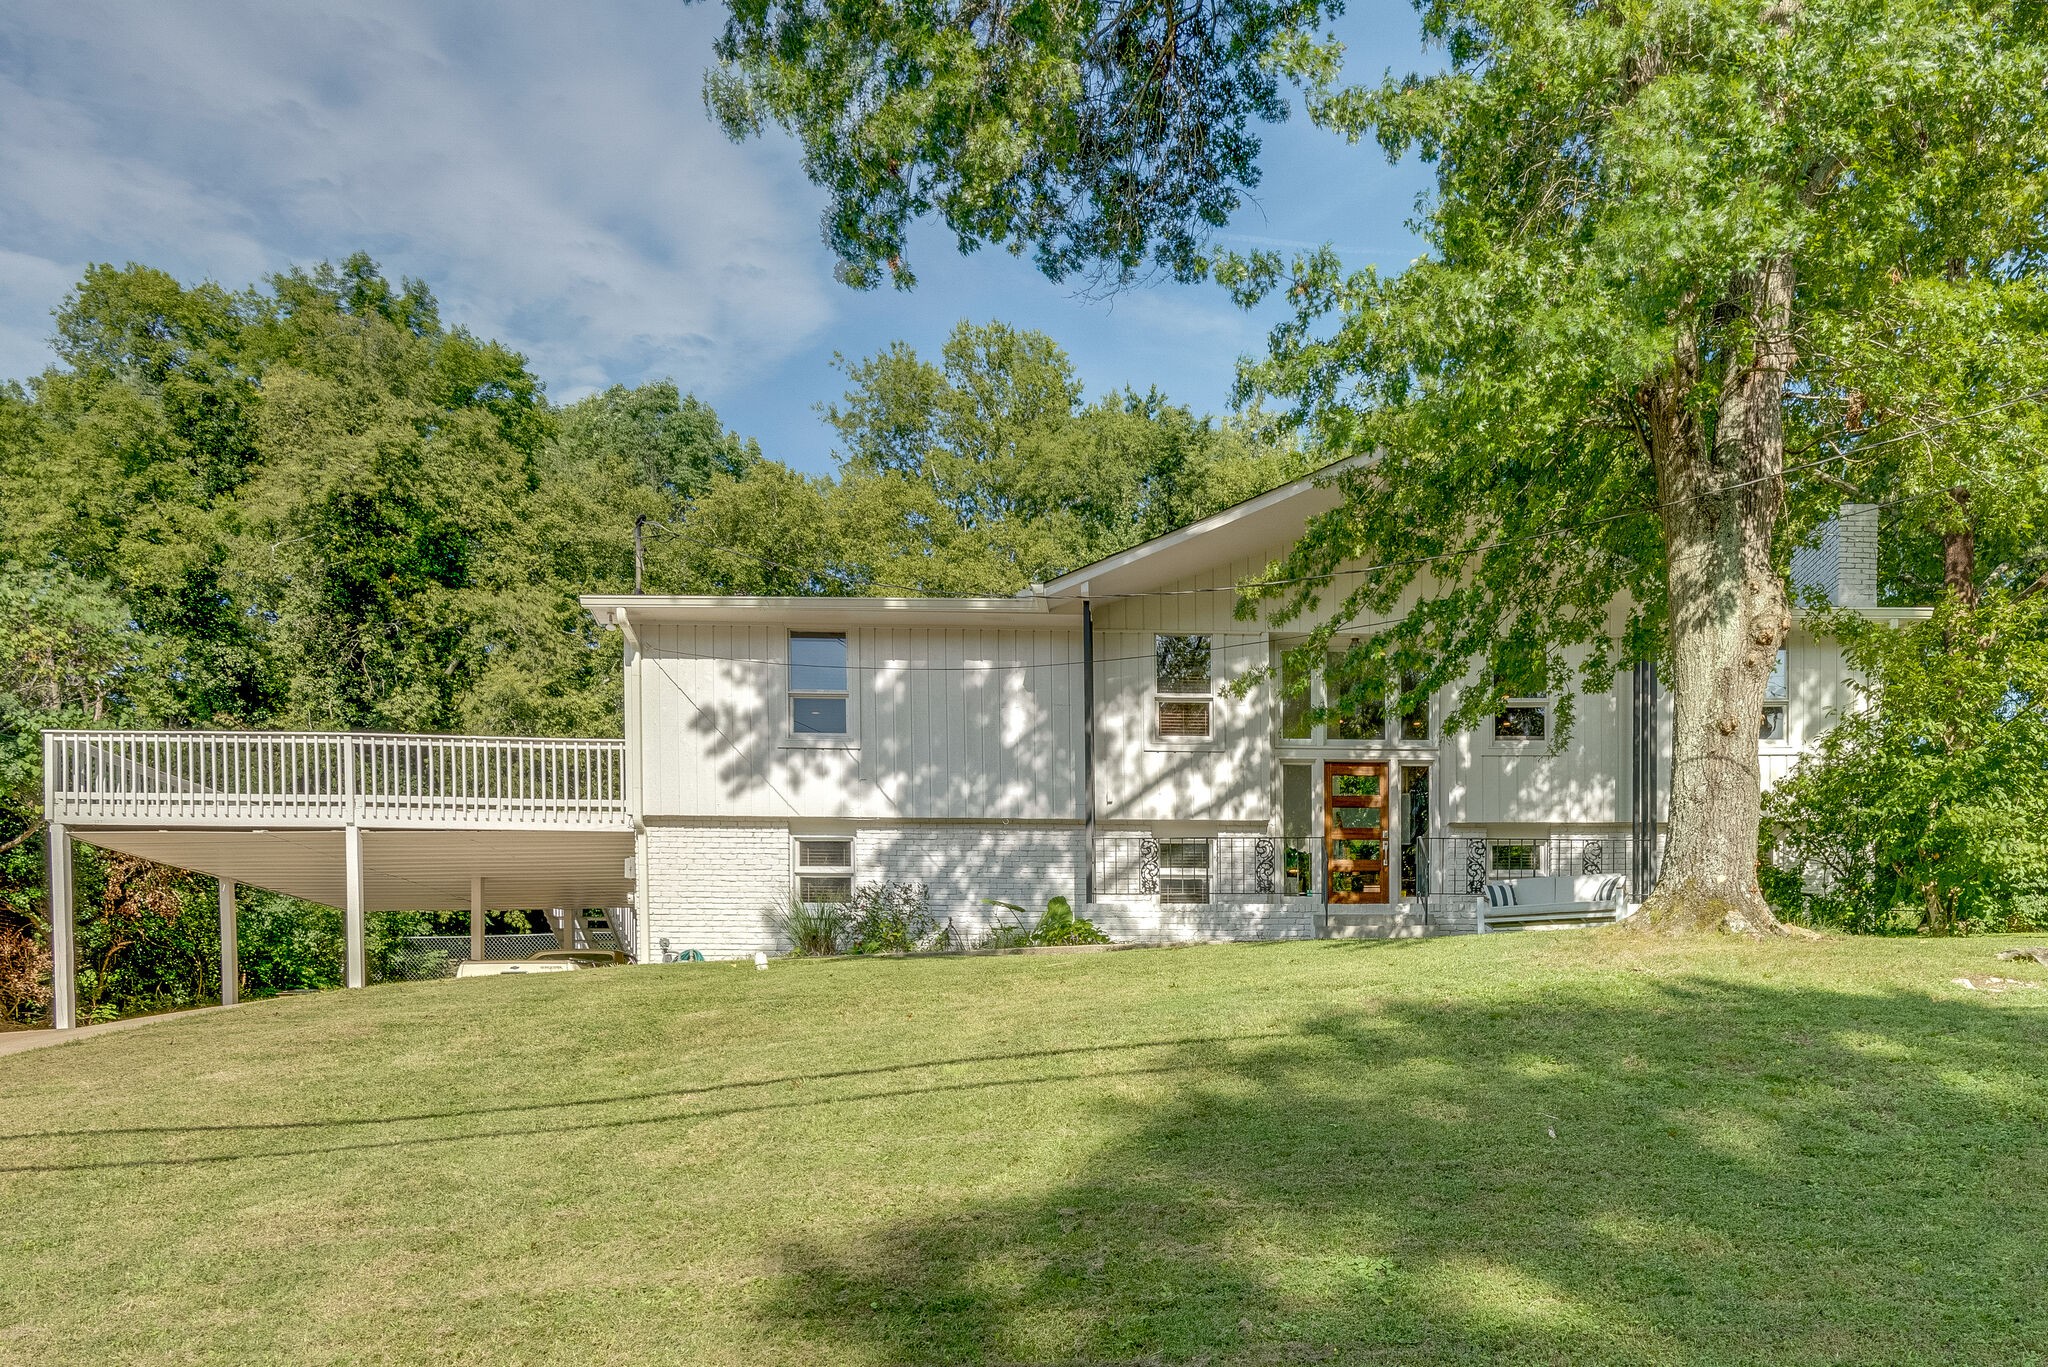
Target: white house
(1080,739)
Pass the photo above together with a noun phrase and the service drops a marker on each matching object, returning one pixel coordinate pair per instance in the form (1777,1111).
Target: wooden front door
(1355,832)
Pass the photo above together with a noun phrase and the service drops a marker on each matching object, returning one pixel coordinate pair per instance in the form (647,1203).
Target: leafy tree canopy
(1669,242)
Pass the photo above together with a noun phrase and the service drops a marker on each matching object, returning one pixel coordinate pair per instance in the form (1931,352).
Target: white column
(476,917)
(63,930)
(564,931)
(230,951)
(354,957)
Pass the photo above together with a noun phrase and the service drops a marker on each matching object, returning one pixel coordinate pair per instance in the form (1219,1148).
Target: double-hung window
(817,683)
(1184,872)
(1772,726)
(1525,710)
(824,870)
(1182,693)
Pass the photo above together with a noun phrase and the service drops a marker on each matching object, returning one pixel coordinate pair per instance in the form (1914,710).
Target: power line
(1414,562)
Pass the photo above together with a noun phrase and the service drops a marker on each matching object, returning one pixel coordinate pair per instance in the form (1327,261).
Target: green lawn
(1522,1148)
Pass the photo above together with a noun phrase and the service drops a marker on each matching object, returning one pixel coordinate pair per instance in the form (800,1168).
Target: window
(1294,701)
(1184,872)
(1356,718)
(817,683)
(1517,857)
(1298,827)
(1414,721)
(1525,710)
(824,870)
(1181,707)
(1772,727)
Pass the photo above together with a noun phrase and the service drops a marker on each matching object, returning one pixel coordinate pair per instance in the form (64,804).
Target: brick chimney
(1841,560)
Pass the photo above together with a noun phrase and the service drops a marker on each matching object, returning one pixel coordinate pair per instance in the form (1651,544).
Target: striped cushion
(1500,894)
(1610,889)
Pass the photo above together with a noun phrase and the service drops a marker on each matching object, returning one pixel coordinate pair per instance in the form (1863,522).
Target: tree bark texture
(1722,495)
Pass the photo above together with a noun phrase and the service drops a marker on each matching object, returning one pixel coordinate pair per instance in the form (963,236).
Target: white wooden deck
(310,778)
(365,822)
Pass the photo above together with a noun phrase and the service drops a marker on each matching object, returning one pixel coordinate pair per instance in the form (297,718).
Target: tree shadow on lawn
(1738,1173)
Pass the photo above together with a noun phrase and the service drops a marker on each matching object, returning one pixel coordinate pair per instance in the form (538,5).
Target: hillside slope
(1518,1148)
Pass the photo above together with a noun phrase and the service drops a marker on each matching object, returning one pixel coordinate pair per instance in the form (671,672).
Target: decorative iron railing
(1440,868)
(324,778)
(1195,869)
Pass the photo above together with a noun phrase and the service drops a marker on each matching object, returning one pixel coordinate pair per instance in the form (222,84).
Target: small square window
(1516,857)
(1180,719)
(824,870)
(1772,725)
(1520,721)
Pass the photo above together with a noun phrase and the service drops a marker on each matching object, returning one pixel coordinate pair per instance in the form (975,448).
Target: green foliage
(1927,805)
(889,918)
(1103,136)
(1058,926)
(811,928)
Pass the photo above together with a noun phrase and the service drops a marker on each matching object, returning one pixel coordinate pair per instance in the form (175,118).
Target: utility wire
(1502,543)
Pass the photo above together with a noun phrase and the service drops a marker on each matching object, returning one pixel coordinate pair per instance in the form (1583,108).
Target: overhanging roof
(1025,611)
(1247,528)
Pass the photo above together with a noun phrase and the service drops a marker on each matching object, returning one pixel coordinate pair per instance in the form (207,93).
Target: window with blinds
(1184,872)
(824,870)
(1182,692)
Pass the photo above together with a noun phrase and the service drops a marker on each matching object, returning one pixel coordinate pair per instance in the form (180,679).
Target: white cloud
(547,168)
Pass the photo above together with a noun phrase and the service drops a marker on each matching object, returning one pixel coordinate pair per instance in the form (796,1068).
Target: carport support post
(476,918)
(354,959)
(63,930)
(230,951)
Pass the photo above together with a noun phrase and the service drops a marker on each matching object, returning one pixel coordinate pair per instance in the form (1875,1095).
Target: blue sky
(550,171)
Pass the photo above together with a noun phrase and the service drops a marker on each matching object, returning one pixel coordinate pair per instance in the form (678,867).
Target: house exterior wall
(711,885)
(965,866)
(945,723)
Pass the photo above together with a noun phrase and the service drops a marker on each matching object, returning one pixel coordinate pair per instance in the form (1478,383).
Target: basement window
(1182,691)
(1184,872)
(1519,856)
(824,870)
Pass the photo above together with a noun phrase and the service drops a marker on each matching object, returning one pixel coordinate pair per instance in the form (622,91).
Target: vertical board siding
(947,722)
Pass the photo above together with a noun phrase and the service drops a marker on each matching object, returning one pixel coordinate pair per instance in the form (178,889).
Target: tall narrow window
(1298,827)
(1182,691)
(1772,726)
(1294,701)
(817,683)
(824,870)
(1414,720)
(1356,717)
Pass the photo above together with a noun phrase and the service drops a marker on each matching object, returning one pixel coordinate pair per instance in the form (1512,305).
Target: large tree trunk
(1722,497)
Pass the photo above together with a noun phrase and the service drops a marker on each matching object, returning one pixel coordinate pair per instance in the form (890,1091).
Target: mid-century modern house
(1080,739)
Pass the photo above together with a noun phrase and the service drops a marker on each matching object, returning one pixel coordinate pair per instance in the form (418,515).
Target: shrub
(24,976)
(812,928)
(1058,926)
(889,918)
(1924,809)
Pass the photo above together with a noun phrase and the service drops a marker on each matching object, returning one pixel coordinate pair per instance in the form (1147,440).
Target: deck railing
(325,778)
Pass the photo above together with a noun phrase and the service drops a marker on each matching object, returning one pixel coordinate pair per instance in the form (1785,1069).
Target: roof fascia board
(1078,583)
(1022,612)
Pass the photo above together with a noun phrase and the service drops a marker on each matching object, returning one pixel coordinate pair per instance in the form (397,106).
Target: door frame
(1333,831)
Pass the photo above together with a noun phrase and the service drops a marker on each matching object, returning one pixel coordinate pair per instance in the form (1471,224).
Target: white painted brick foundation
(710,887)
(1145,920)
(964,866)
